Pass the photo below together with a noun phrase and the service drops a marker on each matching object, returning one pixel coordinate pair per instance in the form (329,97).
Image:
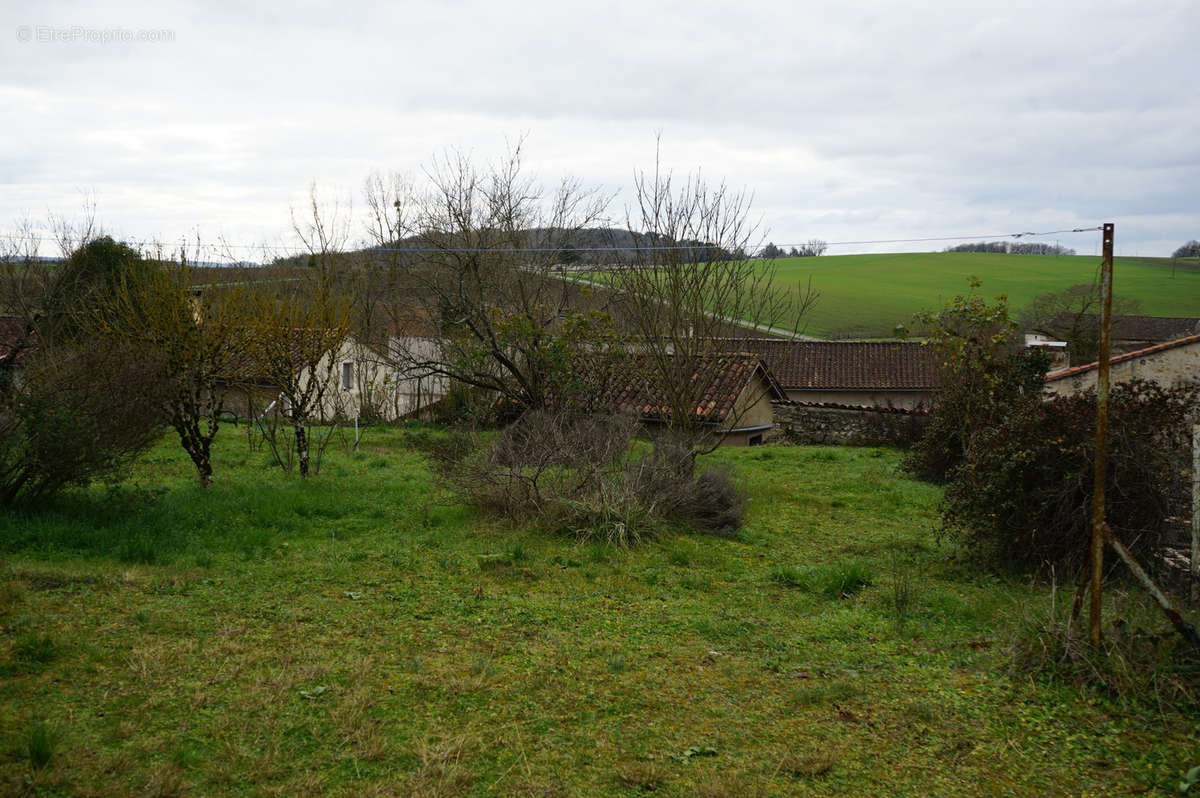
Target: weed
(491,563)
(837,581)
(1132,665)
(1189,780)
(440,771)
(843,580)
(902,589)
(808,765)
(40,744)
(789,576)
(641,776)
(730,785)
(679,559)
(34,649)
(822,694)
(616,663)
(922,712)
(11,595)
(483,667)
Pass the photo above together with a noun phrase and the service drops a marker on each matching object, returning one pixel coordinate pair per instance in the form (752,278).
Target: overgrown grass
(356,634)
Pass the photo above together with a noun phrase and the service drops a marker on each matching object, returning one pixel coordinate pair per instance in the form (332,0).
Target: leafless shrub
(667,485)
(583,474)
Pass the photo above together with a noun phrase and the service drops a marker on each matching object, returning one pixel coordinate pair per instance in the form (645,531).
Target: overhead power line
(300,250)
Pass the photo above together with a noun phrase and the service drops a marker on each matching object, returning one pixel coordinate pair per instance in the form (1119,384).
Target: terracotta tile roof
(845,365)
(904,411)
(729,375)
(248,367)
(1137,328)
(1134,355)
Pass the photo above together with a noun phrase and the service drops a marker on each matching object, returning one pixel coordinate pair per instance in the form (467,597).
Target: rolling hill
(868,295)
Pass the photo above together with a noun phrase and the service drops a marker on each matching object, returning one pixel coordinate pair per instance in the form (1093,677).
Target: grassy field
(869,294)
(359,634)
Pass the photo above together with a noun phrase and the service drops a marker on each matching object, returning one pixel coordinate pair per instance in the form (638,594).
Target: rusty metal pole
(1100,475)
(1195,570)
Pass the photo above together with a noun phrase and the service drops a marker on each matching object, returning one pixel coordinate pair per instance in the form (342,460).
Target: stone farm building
(736,404)
(1167,364)
(877,374)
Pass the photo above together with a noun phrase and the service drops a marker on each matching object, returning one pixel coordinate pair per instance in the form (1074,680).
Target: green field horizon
(868,295)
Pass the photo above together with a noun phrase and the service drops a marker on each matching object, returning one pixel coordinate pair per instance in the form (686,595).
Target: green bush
(1024,496)
(984,372)
(77,414)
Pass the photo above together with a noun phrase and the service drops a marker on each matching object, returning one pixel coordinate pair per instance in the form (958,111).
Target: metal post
(1100,475)
(1196,512)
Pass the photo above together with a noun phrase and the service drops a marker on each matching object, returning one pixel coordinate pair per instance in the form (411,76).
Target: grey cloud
(846,118)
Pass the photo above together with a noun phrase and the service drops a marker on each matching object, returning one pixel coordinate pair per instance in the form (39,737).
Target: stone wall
(847,425)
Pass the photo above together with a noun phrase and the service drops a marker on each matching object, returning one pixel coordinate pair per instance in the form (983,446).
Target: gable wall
(1167,367)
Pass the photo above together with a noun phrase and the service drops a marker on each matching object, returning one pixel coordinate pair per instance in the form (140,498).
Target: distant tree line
(810,249)
(1189,250)
(592,246)
(1007,248)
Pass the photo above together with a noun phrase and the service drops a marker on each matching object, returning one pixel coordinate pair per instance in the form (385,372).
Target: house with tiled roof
(1168,364)
(1130,333)
(735,402)
(880,374)
(354,383)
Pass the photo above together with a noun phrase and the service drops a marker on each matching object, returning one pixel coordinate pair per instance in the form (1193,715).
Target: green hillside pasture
(360,633)
(869,295)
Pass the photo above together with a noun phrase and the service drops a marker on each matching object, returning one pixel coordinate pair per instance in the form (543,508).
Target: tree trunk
(197,445)
(203,460)
(302,448)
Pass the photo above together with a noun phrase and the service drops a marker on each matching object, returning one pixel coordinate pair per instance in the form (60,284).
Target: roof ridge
(1149,350)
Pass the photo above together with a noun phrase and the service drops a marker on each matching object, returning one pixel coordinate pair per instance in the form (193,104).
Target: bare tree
(298,327)
(693,286)
(323,228)
(483,281)
(72,232)
(1073,315)
(813,248)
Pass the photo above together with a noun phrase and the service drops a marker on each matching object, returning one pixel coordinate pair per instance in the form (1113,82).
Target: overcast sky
(849,120)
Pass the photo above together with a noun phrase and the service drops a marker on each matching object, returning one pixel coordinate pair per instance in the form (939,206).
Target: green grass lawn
(870,294)
(360,634)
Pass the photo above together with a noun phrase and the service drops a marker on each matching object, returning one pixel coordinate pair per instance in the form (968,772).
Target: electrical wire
(299,250)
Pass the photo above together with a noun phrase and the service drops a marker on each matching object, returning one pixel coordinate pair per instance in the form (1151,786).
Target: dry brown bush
(584,474)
